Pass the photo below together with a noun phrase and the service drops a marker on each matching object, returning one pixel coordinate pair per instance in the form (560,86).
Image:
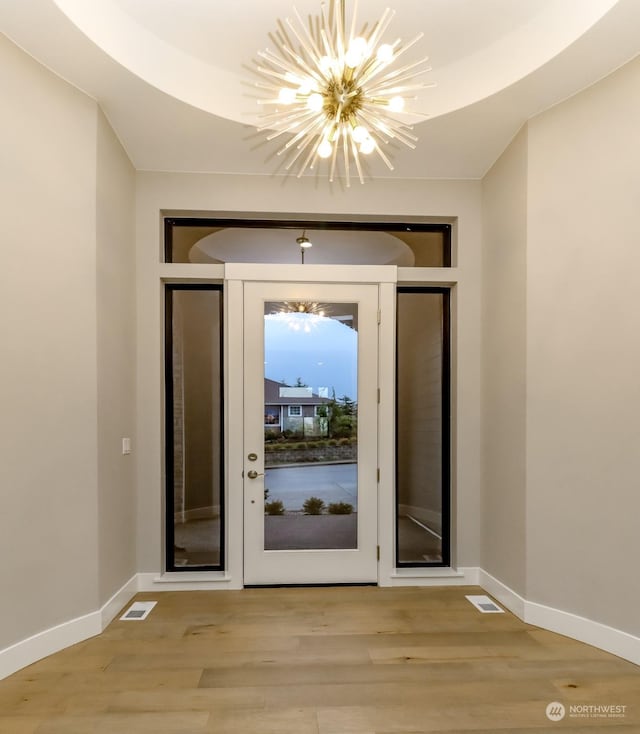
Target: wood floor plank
(19,724)
(359,660)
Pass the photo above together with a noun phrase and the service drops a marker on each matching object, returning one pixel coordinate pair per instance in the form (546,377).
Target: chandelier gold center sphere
(337,93)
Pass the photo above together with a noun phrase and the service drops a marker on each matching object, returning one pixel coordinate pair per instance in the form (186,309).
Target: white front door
(310,432)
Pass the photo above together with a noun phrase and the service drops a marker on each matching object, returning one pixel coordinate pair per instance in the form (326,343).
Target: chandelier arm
(352,32)
(383,156)
(397,55)
(340,37)
(382,122)
(329,50)
(356,158)
(313,157)
(380,27)
(334,157)
(277,39)
(384,83)
(395,131)
(309,36)
(304,67)
(301,149)
(311,51)
(388,127)
(281,63)
(289,120)
(401,71)
(312,125)
(325,31)
(345,154)
(360,70)
(284,122)
(272,73)
(282,33)
(278,133)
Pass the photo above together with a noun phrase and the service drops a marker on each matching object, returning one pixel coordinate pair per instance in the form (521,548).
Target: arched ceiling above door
(280,246)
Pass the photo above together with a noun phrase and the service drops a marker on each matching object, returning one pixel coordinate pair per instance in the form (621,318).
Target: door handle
(253,474)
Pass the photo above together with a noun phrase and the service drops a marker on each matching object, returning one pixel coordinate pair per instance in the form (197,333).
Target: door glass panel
(194,428)
(310,425)
(422,427)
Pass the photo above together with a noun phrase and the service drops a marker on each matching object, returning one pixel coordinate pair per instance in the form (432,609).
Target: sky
(319,350)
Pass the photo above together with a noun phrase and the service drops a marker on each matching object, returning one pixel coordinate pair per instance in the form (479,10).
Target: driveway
(330,482)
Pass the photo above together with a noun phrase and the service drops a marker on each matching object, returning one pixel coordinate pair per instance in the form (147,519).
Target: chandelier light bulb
(358,51)
(324,149)
(360,133)
(367,146)
(325,64)
(340,91)
(396,104)
(315,102)
(287,95)
(385,53)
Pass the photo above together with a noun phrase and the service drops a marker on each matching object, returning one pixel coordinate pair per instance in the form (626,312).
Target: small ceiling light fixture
(304,243)
(334,92)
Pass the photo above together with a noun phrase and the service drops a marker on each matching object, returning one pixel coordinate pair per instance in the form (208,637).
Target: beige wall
(583,361)
(51,301)
(116,324)
(561,357)
(272,196)
(504,366)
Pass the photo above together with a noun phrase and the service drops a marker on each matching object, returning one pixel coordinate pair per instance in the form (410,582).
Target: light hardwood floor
(342,660)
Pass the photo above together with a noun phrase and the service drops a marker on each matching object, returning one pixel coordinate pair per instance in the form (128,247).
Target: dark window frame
(309,225)
(446,431)
(170,566)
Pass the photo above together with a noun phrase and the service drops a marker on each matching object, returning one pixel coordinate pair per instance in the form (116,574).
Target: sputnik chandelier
(337,93)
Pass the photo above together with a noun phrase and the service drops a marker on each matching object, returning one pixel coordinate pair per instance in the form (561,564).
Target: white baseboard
(52,640)
(502,593)
(432,576)
(579,628)
(47,642)
(120,599)
(187,581)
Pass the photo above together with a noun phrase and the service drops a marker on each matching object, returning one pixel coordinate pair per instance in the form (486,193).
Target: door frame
(385,277)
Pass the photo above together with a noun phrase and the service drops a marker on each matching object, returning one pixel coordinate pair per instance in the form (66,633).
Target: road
(330,482)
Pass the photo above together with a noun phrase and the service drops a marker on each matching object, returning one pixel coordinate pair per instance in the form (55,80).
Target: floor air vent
(138,611)
(484,604)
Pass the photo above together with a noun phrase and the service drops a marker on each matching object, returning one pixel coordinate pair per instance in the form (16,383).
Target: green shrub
(313,506)
(301,445)
(274,508)
(344,442)
(332,442)
(339,508)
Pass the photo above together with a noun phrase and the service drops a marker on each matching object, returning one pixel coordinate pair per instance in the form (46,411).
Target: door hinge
(378,475)
(378,552)
(379,316)
(378,396)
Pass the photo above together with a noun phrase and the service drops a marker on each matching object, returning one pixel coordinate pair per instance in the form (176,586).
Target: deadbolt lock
(252,457)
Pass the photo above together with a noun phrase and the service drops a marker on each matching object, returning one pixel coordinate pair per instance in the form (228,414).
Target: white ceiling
(171,74)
